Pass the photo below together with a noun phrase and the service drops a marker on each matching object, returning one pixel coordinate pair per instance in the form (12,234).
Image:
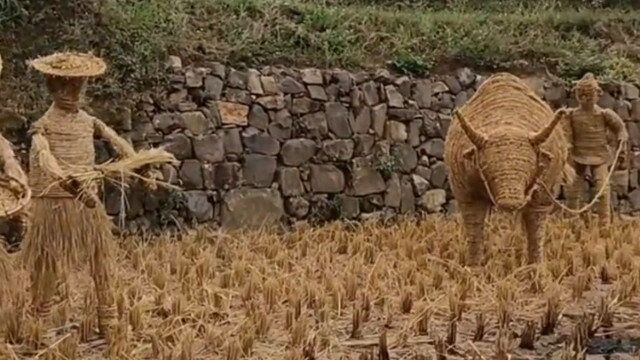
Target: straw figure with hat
(14,196)
(589,126)
(68,222)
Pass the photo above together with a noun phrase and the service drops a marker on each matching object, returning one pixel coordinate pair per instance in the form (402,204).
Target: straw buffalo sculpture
(503,151)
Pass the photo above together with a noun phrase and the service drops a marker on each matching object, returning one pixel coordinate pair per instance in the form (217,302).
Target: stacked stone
(262,145)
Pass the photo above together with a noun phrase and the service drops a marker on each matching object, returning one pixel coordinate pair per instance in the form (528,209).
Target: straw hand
(74,187)
(623,137)
(16,178)
(562,111)
(152,175)
(16,187)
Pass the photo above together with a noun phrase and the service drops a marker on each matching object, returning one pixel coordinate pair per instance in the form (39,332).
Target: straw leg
(473,215)
(604,202)
(101,272)
(46,279)
(575,191)
(533,219)
(62,288)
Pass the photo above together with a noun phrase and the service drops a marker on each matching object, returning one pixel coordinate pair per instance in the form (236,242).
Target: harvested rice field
(352,291)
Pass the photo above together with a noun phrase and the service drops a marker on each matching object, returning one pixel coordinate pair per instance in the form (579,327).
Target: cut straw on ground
(268,295)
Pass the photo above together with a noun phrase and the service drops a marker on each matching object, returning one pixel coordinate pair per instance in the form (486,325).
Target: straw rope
(595,199)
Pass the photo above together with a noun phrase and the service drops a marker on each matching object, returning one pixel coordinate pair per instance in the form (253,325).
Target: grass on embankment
(570,41)
(136,36)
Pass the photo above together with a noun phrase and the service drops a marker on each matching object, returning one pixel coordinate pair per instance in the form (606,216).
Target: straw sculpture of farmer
(13,187)
(589,125)
(68,221)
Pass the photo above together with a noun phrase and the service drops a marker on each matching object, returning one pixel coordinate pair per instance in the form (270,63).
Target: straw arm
(124,148)
(120,145)
(46,160)
(615,123)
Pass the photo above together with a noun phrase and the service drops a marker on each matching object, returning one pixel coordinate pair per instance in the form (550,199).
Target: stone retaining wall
(258,145)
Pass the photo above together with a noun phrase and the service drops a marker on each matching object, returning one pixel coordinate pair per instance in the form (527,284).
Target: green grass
(140,35)
(411,36)
(570,40)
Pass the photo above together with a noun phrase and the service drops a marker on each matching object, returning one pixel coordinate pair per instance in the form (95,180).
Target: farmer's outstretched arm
(46,160)
(615,123)
(10,162)
(121,146)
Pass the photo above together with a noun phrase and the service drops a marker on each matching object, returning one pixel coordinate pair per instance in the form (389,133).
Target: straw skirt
(65,230)
(62,232)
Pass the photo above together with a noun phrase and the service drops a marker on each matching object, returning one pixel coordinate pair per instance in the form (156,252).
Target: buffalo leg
(473,216)
(533,219)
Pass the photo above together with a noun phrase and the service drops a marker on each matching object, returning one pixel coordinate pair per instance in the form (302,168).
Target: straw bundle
(117,170)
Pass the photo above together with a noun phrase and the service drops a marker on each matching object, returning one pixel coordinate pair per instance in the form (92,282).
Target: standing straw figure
(588,124)
(67,220)
(13,182)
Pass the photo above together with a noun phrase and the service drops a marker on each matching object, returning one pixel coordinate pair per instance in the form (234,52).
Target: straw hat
(587,82)
(70,64)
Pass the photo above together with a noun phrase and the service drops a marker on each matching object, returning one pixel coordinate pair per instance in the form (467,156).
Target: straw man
(67,221)
(14,181)
(588,125)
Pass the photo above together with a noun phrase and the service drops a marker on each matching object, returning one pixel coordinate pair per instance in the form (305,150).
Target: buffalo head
(509,160)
